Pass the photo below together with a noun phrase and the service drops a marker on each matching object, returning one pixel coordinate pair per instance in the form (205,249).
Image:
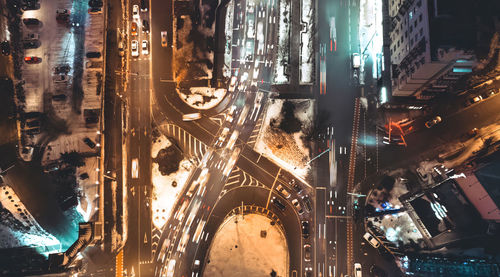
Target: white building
(431,44)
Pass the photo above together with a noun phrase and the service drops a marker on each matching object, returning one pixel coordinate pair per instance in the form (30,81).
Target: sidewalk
(238,249)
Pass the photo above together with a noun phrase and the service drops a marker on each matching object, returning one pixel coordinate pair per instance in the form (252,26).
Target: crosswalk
(239,178)
(188,143)
(219,119)
(255,132)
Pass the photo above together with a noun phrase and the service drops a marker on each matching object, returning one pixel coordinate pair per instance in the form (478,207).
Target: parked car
(121,50)
(376,271)
(31,22)
(373,241)
(145,26)
(283,191)
(30,5)
(164,42)
(433,122)
(32,36)
(133,29)
(32,60)
(135,48)
(144,6)
(5,46)
(89,142)
(95,3)
(473,99)
(62,69)
(145,47)
(489,93)
(94,10)
(135,12)
(276,202)
(307,203)
(296,203)
(305,229)
(307,252)
(59,97)
(357,270)
(31,44)
(62,16)
(93,55)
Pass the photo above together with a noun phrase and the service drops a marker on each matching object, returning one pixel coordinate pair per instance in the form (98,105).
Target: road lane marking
(272,187)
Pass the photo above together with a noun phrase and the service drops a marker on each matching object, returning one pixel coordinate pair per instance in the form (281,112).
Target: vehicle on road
(121,49)
(433,122)
(243,116)
(305,229)
(145,47)
(170,268)
(31,44)
(296,203)
(276,202)
(94,10)
(135,12)
(93,55)
(164,42)
(307,252)
(199,229)
(356,61)
(96,3)
(5,46)
(283,191)
(232,84)
(373,241)
(231,162)
(357,270)
(230,113)
(32,60)
(135,48)
(133,29)
(26,153)
(232,139)
(135,168)
(31,22)
(222,137)
(191,116)
(333,35)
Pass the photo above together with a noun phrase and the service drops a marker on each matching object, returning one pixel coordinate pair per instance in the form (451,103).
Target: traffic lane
(256,196)
(161,20)
(341,227)
(453,127)
(320,232)
(331,249)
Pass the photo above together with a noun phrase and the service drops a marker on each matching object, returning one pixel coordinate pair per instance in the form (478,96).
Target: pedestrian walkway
(191,146)
(248,246)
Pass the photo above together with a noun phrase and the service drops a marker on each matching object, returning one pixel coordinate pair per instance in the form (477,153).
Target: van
(356,60)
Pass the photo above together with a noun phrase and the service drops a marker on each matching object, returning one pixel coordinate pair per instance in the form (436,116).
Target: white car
(145,47)
(283,191)
(256,73)
(222,137)
(164,42)
(296,203)
(357,270)
(135,48)
(135,168)
(356,60)
(135,12)
(373,241)
(232,84)
(191,116)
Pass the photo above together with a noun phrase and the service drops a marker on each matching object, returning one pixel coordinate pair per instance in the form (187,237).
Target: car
(357,270)
(94,10)
(473,99)
(135,48)
(145,47)
(62,69)
(376,271)
(121,49)
(32,60)
(283,191)
(133,29)
(296,203)
(230,113)
(276,202)
(32,36)
(135,12)
(135,168)
(26,153)
(31,22)
(93,55)
(60,78)
(95,3)
(333,35)
(89,142)
(30,5)
(5,46)
(59,97)
(145,26)
(164,42)
(433,122)
(307,252)
(356,60)
(144,6)
(232,84)
(305,229)
(191,116)
(31,44)
(62,16)
(222,137)
(473,132)
(256,73)
(307,203)
(489,93)
(373,241)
